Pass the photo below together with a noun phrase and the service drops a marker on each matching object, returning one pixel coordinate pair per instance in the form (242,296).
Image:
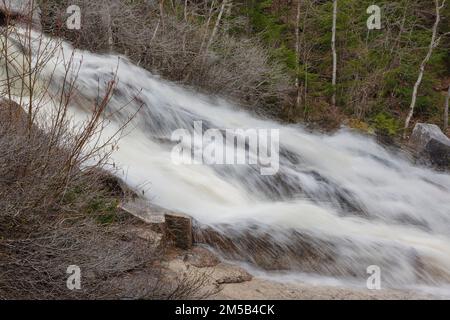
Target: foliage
(376,69)
(385,124)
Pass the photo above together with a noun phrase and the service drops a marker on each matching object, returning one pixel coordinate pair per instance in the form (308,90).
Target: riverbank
(231,282)
(225,280)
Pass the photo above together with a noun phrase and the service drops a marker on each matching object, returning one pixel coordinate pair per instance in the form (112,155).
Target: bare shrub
(53,214)
(241,69)
(174,46)
(193,285)
(55,208)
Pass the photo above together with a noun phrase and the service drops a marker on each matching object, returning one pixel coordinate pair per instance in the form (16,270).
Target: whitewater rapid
(370,204)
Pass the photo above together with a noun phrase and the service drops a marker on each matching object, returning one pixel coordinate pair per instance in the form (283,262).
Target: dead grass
(174,45)
(57,206)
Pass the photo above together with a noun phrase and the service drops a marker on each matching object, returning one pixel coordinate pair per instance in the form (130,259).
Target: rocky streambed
(217,278)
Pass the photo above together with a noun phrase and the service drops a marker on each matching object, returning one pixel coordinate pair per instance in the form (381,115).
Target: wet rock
(260,247)
(431,145)
(423,133)
(429,270)
(179,230)
(176,228)
(274,249)
(201,258)
(141,210)
(227,273)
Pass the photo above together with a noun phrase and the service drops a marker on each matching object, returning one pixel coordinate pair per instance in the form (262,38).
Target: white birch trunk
(297,54)
(446,110)
(216,26)
(207,27)
(333,48)
(109,31)
(433,43)
(161,12)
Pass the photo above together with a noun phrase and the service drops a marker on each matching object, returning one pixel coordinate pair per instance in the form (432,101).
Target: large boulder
(179,230)
(431,145)
(176,227)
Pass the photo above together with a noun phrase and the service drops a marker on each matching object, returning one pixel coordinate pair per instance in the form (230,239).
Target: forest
(278,57)
(224,149)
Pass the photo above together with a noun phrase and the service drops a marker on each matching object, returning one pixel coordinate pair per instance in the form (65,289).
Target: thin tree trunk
(305,91)
(110,32)
(333,48)
(207,27)
(185,20)
(396,46)
(216,26)
(433,43)
(305,55)
(161,12)
(297,55)
(154,32)
(446,110)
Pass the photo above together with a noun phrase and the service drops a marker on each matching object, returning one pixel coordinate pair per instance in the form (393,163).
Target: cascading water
(338,203)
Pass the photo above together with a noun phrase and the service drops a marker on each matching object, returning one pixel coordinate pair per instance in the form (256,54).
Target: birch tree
(333,48)
(109,26)
(306,50)
(205,35)
(446,110)
(433,44)
(161,12)
(216,26)
(297,54)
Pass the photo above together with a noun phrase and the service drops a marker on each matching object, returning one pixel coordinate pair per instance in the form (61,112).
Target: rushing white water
(360,203)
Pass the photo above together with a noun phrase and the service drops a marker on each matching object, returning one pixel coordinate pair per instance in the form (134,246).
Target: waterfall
(338,203)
